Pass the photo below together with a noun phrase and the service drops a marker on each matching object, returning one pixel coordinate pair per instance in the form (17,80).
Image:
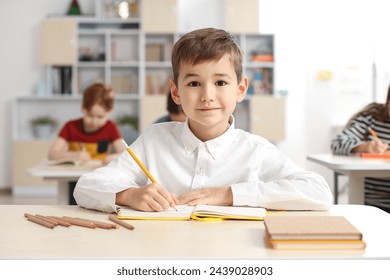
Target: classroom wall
(340,37)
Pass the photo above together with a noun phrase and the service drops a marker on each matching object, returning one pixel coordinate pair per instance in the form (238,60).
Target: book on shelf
(312,232)
(198,212)
(153,84)
(154,52)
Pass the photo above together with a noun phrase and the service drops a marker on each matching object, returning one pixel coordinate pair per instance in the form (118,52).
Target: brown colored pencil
(60,221)
(100,224)
(113,218)
(47,219)
(78,222)
(39,221)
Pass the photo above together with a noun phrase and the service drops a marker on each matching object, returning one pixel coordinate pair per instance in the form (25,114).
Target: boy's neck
(208,133)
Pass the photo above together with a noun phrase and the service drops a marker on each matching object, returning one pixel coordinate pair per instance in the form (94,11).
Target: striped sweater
(376,190)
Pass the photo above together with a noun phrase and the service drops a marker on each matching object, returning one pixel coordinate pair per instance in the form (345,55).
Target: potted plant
(43,127)
(129,127)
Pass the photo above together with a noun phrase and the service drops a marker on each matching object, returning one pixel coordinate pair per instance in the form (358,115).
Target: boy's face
(95,118)
(208,93)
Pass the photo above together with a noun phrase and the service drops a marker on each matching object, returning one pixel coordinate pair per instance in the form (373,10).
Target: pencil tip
(124,143)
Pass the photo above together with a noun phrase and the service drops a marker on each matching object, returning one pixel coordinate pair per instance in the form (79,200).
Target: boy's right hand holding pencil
(83,154)
(150,198)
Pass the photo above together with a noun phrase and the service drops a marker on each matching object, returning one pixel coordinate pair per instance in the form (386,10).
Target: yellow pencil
(140,164)
(373,133)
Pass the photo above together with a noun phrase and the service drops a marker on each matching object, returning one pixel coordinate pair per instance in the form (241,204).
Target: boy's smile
(208,93)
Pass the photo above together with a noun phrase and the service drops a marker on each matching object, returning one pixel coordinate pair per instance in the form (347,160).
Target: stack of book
(312,233)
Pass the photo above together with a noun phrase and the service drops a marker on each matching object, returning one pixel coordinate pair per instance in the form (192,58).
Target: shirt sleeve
(283,185)
(97,189)
(115,132)
(64,132)
(352,136)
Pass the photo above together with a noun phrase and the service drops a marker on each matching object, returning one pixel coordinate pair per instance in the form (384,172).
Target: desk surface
(21,239)
(58,172)
(350,162)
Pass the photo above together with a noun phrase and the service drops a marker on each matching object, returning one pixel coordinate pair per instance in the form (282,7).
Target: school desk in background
(63,172)
(356,168)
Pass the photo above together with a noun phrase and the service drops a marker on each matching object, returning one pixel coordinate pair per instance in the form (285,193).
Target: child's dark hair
(98,94)
(172,107)
(379,111)
(206,44)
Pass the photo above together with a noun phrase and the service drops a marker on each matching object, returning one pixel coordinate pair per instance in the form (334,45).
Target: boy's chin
(91,129)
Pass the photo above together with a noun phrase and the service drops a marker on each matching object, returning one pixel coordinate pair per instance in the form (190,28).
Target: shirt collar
(215,146)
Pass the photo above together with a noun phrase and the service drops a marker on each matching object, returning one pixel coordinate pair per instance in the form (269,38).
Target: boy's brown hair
(98,94)
(204,45)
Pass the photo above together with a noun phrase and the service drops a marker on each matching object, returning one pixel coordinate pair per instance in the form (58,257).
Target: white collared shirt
(258,173)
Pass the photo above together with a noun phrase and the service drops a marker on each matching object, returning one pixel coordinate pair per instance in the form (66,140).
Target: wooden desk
(22,239)
(356,168)
(63,174)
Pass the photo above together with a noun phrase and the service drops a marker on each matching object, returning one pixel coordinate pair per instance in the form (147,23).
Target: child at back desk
(90,137)
(204,160)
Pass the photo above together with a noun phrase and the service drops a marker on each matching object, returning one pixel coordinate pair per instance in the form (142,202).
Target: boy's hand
(150,198)
(212,196)
(84,156)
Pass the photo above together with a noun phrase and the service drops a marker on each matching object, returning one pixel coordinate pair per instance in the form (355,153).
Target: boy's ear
(242,89)
(174,92)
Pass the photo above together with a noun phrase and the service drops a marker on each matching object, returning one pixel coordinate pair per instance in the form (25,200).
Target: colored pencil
(39,221)
(373,133)
(113,218)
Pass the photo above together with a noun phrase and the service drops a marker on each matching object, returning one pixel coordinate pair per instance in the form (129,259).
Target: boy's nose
(95,122)
(207,94)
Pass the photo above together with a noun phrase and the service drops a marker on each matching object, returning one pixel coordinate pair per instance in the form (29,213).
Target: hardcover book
(312,232)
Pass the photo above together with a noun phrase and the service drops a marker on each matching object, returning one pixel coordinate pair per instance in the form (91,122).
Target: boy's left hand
(211,196)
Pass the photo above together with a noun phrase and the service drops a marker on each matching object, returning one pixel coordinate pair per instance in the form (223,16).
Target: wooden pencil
(47,219)
(100,224)
(39,221)
(139,162)
(113,218)
(78,222)
(60,221)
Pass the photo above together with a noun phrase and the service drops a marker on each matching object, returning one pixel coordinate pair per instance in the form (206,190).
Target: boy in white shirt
(204,160)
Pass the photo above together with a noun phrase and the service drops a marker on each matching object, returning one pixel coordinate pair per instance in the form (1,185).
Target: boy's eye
(221,83)
(194,84)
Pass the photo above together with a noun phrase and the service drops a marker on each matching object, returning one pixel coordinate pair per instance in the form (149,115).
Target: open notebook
(199,212)
(67,161)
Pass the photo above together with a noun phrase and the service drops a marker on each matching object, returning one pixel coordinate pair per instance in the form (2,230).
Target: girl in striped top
(356,138)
